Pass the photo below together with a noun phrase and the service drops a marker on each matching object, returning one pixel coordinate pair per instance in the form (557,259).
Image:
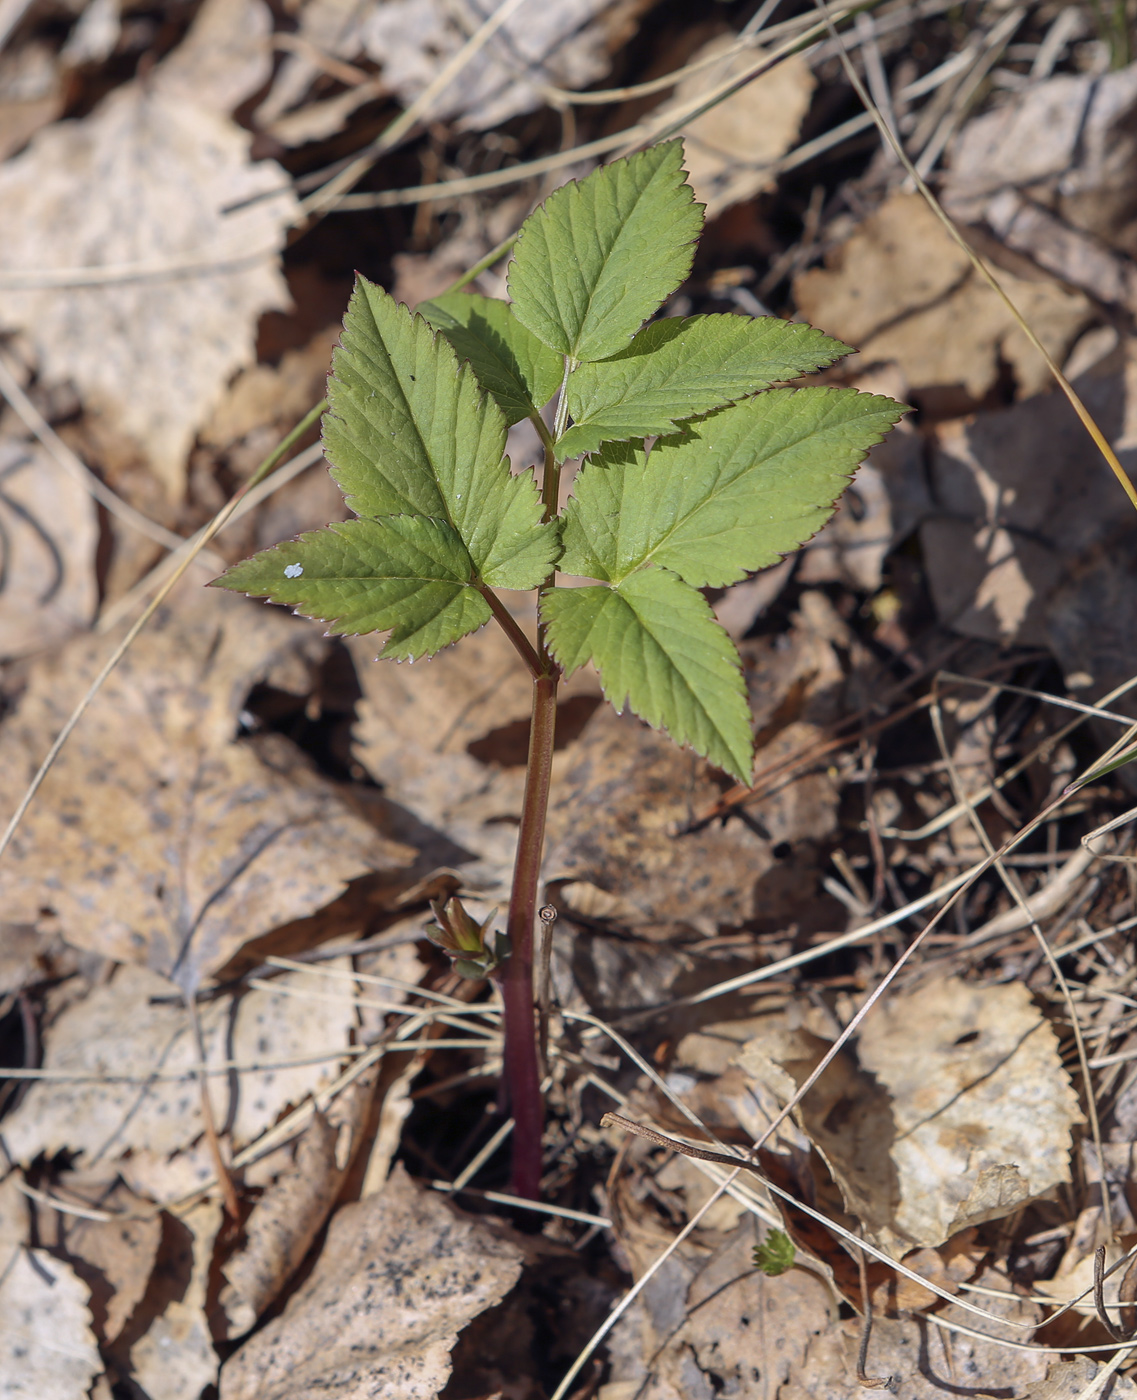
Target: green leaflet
(409,432)
(509,361)
(677,368)
(657,648)
(402,572)
(599,257)
(775,1254)
(731,494)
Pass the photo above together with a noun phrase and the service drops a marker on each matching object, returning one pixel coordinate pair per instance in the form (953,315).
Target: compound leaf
(404,572)
(509,361)
(730,494)
(677,368)
(657,648)
(410,432)
(599,256)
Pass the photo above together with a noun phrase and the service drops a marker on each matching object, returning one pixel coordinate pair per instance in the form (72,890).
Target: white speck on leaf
(293,570)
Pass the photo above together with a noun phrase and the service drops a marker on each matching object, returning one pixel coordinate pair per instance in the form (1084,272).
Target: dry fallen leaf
(735,1332)
(157,838)
(628,790)
(48,535)
(727,149)
(152,351)
(31,93)
(900,289)
(982,1105)
(956,1110)
(400,1275)
(120,1031)
(114,1257)
(1024,504)
(1069,1380)
(175,1358)
(1068,142)
(612,843)
(290,1214)
(47,1345)
(563,45)
(925,1362)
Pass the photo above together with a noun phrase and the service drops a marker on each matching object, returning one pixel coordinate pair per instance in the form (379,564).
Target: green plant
(415,435)
(775,1255)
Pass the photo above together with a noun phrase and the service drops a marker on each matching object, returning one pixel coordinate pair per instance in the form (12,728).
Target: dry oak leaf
(121,1031)
(567,44)
(282,1226)
(157,838)
(400,1275)
(735,1332)
(142,185)
(114,1257)
(901,290)
(956,1109)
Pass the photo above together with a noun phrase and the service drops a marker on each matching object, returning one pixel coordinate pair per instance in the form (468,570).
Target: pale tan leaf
(401,1274)
(978,1088)
(293,1209)
(48,534)
(175,1359)
(925,1362)
(47,1347)
(727,148)
(120,1030)
(567,44)
(955,1110)
(1068,1380)
(115,1257)
(158,838)
(143,183)
(225,57)
(900,289)
(732,1332)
